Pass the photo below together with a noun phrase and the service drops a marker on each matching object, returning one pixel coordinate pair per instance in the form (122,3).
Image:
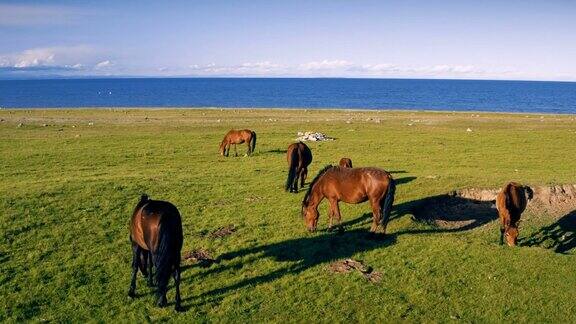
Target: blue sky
(525,40)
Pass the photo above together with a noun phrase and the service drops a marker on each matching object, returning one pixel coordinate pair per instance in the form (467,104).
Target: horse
(299,158)
(511,202)
(345,162)
(353,186)
(238,137)
(156,237)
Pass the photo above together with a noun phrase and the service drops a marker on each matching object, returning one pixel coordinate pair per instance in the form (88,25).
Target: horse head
(529,192)
(511,235)
(310,215)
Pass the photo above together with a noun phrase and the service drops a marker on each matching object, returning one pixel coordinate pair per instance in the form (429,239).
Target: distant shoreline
(306,93)
(295,109)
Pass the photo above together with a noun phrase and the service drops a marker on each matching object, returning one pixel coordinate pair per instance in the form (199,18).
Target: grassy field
(70,178)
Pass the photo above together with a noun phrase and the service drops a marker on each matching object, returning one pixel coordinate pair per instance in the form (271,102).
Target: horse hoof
(179,308)
(131,294)
(162,303)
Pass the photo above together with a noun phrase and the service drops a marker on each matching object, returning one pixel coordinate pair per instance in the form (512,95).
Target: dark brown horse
(156,236)
(345,162)
(299,158)
(238,137)
(511,202)
(353,186)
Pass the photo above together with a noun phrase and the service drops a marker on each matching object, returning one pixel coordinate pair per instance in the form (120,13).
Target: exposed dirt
(223,231)
(469,208)
(200,256)
(348,265)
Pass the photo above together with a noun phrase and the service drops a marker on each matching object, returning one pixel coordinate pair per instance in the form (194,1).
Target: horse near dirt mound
(156,236)
(352,186)
(238,137)
(511,202)
(345,162)
(299,158)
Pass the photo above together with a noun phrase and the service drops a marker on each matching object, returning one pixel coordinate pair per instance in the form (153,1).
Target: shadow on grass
(275,151)
(307,252)
(559,236)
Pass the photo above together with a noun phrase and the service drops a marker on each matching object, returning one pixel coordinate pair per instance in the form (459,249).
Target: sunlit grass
(67,190)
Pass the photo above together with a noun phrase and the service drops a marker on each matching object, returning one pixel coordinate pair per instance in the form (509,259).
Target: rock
(468,129)
(90,124)
(20,125)
(314,137)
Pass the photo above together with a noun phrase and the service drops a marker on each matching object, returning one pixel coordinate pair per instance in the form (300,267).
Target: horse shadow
(449,213)
(275,151)
(306,252)
(302,253)
(405,180)
(559,236)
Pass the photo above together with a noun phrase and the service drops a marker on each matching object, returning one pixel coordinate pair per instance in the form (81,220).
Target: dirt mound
(223,231)
(348,265)
(469,208)
(200,256)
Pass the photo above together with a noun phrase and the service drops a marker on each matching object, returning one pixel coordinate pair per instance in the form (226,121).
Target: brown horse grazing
(156,236)
(511,202)
(238,137)
(345,162)
(299,158)
(353,186)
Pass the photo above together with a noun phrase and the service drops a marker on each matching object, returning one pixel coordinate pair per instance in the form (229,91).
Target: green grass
(67,190)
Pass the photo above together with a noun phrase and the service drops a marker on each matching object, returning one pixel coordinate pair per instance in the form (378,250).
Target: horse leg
(162,283)
(176,276)
(501,235)
(235,150)
(375,215)
(248,153)
(330,216)
(135,261)
(334,213)
(150,275)
(294,184)
(303,176)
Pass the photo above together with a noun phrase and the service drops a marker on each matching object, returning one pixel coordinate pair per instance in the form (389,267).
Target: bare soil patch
(348,265)
(200,256)
(469,208)
(223,231)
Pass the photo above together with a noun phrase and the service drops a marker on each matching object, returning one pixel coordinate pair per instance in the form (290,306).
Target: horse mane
(316,178)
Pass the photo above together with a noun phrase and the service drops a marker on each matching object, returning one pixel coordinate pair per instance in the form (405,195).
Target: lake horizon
(514,96)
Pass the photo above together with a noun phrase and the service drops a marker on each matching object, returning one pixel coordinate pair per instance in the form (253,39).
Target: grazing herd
(156,226)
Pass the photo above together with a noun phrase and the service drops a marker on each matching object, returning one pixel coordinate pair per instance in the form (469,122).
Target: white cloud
(244,69)
(103,65)
(61,60)
(325,65)
(343,68)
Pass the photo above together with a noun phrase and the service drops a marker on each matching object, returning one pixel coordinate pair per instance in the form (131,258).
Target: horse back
(148,219)
(354,185)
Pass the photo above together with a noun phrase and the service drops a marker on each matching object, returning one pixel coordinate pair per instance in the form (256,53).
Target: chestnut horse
(511,202)
(299,157)
(156,236)
(353,186)
(345,162)
(238,137)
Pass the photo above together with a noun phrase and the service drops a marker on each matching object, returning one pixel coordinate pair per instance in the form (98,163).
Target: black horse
(156,236)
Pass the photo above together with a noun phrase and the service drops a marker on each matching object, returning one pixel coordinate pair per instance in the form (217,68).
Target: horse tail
(388,201)
(292,168)
(143,200)
(167,256)
(253,142)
